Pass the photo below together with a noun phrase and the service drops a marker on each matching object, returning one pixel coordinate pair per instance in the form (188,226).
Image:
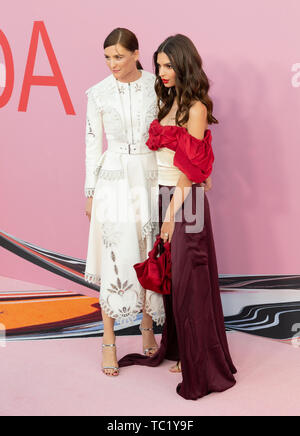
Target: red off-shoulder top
(194,157)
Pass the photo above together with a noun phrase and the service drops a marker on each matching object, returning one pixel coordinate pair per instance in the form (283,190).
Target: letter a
(9,70)
(55,80)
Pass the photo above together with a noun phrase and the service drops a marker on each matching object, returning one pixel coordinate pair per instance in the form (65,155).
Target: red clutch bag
(155,272)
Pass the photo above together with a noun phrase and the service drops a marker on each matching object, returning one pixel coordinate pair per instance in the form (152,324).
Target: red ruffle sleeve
(194,157)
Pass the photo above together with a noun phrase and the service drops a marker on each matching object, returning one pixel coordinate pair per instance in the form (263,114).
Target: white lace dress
(123,183)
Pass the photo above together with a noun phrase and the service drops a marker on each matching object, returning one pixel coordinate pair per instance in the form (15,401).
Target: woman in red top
(194,332)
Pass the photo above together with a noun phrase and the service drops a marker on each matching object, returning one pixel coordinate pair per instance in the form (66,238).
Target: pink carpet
(63,377)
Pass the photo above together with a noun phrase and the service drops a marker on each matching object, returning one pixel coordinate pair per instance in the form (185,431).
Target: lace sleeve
(94,144)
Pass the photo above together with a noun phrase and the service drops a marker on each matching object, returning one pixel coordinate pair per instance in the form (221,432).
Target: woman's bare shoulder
(197,122)
(198,110)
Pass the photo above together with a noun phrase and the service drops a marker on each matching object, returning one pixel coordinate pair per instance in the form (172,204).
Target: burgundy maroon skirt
(194,331)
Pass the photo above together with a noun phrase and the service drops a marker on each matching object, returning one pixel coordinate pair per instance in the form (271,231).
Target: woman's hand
(207,184)
(167,227)
(88,207)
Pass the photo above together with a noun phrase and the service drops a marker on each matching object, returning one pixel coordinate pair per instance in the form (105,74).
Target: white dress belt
(124,148)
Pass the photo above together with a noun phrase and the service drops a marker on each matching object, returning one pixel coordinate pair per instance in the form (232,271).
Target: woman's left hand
(167,227)
(207,184)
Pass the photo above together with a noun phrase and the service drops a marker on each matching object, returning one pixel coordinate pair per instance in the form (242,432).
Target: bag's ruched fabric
(155,272)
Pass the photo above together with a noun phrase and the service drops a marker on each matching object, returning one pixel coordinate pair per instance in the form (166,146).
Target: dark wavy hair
(125,38)
(191,82)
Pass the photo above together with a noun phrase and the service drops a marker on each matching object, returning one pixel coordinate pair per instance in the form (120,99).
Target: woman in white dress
(118,187)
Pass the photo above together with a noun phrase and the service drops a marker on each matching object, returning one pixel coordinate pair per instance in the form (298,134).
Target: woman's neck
(131,77)
(170,117)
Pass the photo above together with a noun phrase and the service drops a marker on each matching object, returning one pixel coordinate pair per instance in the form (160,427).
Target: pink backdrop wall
(251,54)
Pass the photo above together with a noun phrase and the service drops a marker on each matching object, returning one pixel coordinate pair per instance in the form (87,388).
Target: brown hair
(191,81)
(125,38)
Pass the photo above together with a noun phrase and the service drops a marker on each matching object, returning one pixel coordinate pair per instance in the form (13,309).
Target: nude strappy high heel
(146,350)
(116,369)
(177,367)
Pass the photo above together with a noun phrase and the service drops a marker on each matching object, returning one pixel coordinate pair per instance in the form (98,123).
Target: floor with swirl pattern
(50,355)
